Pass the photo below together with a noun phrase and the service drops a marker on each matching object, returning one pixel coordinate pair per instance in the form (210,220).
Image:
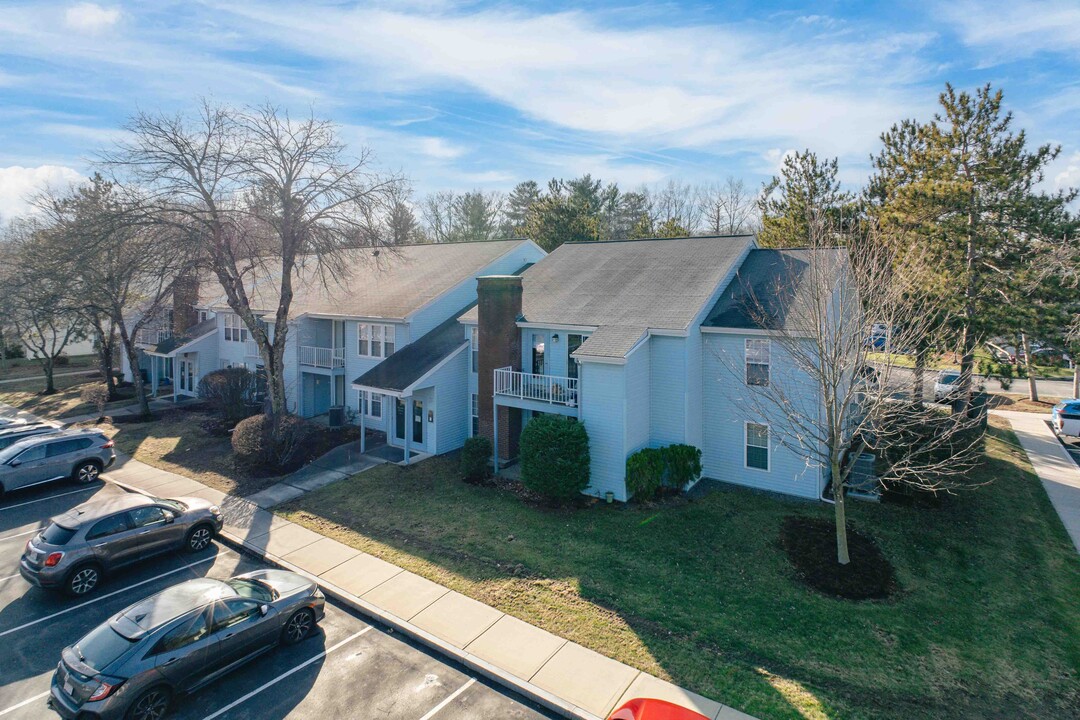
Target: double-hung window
(757,446)
(475,414)
(757,362)
(235,330)
(375,340)
(371,404)
(474,347)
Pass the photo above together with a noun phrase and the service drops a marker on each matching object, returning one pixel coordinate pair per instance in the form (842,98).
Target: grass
(28,367)
(1042,372)
(63,403)
(176,442)
(1021,403)
(986,624)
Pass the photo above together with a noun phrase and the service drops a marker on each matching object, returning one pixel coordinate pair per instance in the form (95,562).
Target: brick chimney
(185,296)
(498,307)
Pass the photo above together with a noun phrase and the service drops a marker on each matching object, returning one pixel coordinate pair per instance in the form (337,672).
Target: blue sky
(482,95)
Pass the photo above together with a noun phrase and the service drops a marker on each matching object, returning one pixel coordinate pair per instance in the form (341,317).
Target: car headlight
(317,593)
(215,510)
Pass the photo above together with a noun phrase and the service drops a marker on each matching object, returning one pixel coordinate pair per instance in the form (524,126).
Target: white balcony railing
(545,388)
(152,336)
(322,357)
(251,349)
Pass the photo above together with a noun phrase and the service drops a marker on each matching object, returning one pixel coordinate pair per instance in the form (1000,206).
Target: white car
(946,386)
(1065,418)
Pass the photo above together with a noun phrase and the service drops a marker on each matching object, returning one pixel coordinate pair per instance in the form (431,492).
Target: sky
(482,95)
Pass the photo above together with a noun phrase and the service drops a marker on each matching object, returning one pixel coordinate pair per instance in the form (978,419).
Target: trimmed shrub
(682,465)
(61,361)
(555,457)
(96,394)
(257,442)
(228,392)
(645,473)
(476,459)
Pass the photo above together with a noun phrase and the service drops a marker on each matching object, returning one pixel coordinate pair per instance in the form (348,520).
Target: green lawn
(28,367)
(1045,372)
(987,623)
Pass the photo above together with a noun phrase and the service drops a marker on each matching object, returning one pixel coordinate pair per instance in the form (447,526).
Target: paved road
(32,378)
(904,378)
(350,669)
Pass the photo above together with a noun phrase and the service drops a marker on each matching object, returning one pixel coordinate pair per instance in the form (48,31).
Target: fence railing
(529,386)
(322,357)
(151,336)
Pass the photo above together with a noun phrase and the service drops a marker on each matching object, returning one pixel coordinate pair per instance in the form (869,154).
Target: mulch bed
(810,544)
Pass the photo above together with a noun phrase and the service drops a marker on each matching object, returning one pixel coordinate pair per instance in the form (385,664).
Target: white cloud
(1009,29)
(18,184)
(1067,172)
(437,147)
(91,17)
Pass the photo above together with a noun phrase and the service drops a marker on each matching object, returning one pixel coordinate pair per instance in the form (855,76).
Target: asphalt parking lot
(349,669)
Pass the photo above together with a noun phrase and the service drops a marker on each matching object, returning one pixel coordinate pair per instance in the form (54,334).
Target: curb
(513,683)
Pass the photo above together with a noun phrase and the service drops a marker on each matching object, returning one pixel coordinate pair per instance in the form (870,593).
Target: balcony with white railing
(322,357)
(152,336)
(551,389)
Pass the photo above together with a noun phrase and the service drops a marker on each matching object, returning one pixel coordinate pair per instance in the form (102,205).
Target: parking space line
(186,566)
(286,674)
(431,713)
(24,703)
(51,497)
(12,537)
(9,577)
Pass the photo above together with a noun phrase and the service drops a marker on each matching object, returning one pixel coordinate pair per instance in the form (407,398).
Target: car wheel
(198,538)
(151,705)
(86,472)
(83,580)
(298,627)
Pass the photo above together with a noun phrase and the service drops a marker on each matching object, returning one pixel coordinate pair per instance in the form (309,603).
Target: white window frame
(757,351)
(366,404)
(474,348)
(474,415)
(235,329)
(767,446)
(372,336)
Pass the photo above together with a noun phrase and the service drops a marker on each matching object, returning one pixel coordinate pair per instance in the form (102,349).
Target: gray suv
(177,641)
(15,433)
(77,548)
(81,455)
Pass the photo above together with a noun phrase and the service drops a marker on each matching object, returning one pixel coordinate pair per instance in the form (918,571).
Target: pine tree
(806,191)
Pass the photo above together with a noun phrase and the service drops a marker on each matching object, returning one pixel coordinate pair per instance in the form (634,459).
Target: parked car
(10,421)
(14,433)
(1065,418)
(77,548)
(652,709)
(1002,353)
(946,386)
(869,377)
(81,455)
(177,641)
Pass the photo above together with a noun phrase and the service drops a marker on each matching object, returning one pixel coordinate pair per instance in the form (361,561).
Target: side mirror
(15,463)
(169,517)
(263,609)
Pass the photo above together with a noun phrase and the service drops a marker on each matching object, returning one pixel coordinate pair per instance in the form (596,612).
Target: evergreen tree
(521,199)
(806,191)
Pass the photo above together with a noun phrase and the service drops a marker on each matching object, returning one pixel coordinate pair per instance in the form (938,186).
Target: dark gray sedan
(77,548)
(179,640)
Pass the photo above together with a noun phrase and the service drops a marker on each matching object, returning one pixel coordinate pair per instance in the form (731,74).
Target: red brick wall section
(498,307)
(185,295)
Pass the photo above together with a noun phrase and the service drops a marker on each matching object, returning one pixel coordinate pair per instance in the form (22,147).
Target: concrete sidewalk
(1058,472)
(341,462)
(563,676)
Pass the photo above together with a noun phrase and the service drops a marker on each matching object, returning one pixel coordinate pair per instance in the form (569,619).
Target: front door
(186,380)
(399,419)
(418,422)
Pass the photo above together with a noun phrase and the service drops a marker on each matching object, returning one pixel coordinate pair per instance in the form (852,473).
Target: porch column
(363,430)
(153,375)
(407,402)
(495,445)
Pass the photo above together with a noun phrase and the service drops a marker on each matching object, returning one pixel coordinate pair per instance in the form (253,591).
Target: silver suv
(81,455)
(12,434)
(77,548)
(133,665)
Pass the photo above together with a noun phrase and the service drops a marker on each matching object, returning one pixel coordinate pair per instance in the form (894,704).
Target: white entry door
(189,372)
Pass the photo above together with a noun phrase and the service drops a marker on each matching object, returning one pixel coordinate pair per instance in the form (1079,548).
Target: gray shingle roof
(389,284)
(768,285)
(413,361)
(628,285)
(176,342)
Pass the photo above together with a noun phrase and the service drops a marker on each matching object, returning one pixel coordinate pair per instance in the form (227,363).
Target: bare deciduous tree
(263,197)
(729,208)
(818,399)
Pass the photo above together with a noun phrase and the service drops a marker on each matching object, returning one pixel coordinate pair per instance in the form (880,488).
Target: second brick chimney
(498,308)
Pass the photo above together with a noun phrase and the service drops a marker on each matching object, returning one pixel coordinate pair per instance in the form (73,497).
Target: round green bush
(555,457)
(645,473)
(476,459)
(257,441)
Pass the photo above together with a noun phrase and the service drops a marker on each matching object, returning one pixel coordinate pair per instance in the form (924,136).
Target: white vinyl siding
(375,340)
(757,362)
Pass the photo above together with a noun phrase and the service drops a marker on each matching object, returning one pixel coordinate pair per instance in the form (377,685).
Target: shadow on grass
(702,593)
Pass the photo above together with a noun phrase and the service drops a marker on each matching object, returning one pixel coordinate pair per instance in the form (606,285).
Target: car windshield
(57,534)
(102,647)
(949,378)
(251,589)
(176,505)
